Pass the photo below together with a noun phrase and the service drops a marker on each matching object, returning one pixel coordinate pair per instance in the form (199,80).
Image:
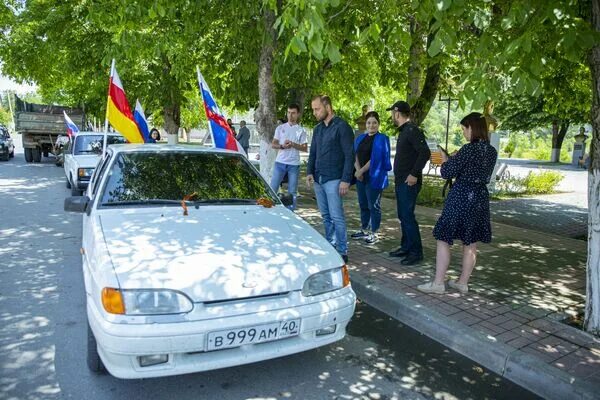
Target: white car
(81,155)
(192,263)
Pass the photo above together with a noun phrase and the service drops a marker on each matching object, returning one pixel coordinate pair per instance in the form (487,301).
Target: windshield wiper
(142,202)
(225,201)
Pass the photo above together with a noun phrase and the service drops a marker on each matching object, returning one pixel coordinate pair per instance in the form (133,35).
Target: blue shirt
(331,152)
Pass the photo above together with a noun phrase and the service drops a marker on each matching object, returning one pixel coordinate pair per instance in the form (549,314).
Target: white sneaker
(372,238)
(431,287)
(458,286)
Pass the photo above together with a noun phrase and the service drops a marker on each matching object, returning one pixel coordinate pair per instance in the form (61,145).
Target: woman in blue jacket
(372,163)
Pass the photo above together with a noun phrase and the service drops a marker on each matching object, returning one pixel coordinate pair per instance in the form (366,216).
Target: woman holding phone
(466,213)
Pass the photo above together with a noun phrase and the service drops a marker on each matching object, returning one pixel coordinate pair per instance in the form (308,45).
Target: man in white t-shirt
(290,139)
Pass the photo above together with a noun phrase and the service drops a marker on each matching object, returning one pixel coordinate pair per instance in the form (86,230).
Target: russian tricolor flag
(72,129)
(142,123)
(223,136)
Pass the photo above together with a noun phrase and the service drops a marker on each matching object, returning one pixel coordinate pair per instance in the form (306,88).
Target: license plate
(254,334)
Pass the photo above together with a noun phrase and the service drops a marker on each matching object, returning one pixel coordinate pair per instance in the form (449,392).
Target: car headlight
(145,301)
(83,172)
(326,281)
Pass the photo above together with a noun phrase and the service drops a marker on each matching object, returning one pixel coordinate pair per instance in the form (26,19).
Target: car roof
(87,133)
(166,148)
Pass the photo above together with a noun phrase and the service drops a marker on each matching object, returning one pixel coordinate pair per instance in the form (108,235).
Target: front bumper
(82,185)
(120,345)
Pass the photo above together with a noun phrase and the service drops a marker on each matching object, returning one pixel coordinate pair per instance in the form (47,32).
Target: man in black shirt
(412,154)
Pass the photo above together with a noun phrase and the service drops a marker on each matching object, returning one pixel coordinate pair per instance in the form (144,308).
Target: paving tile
(446,309)
(516,317)
(491,327)
(507,336)
(461,315)
(499,319)
(547,357)
(478,312)
(554,345)
(502,308)
(530,332)
(546,325)
(511,324)
(470,320)
(520,342)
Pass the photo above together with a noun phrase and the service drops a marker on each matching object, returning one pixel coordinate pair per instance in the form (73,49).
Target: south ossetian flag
(118,112)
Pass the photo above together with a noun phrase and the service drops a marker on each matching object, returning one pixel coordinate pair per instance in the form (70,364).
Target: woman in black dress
(466,213)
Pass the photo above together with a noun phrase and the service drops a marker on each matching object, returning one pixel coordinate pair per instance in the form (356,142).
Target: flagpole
(203,103)
(112,69)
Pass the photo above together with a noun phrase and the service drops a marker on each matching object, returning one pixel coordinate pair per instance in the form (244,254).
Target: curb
(521,368)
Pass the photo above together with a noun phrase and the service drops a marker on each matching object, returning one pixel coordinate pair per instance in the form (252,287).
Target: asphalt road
(43,328)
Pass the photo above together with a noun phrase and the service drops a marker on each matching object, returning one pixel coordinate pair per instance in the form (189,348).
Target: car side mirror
(77,204)
(287,199)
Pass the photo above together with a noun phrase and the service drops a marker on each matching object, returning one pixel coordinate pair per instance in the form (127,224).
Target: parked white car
(192,263)
(81,155)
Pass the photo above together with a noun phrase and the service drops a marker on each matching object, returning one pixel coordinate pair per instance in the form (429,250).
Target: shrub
(542,182)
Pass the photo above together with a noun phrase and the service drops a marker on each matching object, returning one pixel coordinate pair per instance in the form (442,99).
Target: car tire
(28,155)
(5,158)
(94,361)
(36,154)
(12,153)
(68,183)
(46,153)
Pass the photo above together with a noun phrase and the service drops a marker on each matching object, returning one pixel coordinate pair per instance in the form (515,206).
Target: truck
(40,125)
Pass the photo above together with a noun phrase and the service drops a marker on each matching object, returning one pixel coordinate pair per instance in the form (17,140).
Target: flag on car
(142,123)
(72,129)
(222,134)
(118,112)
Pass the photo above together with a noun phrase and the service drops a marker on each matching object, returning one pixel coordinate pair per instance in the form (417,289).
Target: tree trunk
(592,301)
(558,136)
(172,117)
(430,89)
(265,114)
(415,66)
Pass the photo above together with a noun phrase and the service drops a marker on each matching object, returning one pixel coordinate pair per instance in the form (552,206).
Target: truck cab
(81,156)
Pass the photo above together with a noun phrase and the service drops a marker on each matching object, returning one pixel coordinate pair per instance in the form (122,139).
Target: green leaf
(316,47)
(435,47)
(333,52)
(443,5)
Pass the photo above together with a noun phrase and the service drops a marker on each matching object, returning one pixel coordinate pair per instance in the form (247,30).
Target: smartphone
(442,149)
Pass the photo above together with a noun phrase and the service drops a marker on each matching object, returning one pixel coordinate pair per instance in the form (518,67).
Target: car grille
(245,299)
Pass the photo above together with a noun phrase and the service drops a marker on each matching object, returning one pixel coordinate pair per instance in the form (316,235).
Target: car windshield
(151,178)
(92,144)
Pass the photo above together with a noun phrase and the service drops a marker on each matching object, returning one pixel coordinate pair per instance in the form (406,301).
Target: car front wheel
(94,361)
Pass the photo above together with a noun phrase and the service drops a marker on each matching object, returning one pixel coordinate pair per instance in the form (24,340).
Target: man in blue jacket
(330,164)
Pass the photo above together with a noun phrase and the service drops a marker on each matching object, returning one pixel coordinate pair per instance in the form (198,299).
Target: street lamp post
(449,99)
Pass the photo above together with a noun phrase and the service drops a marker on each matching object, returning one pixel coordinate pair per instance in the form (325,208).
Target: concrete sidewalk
(524,284)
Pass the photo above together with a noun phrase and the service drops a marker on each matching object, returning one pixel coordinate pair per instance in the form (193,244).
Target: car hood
(87,161)
(216,252)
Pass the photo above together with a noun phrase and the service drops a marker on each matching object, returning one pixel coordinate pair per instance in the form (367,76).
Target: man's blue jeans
(331,206)
(279,170)
(406,200)
(369,200)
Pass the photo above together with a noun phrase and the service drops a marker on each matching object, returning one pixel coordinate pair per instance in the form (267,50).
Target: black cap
(401,106)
